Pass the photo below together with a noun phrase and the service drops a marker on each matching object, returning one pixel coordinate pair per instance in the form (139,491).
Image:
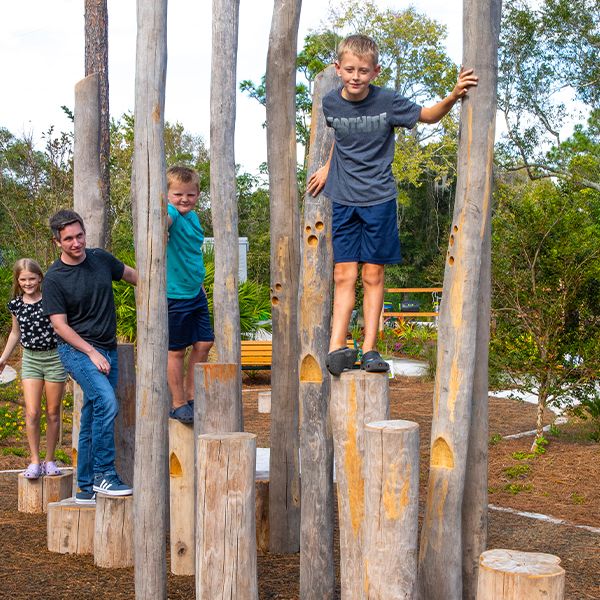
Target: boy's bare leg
(344,277)
(198,354)
(372,277)
(175,376)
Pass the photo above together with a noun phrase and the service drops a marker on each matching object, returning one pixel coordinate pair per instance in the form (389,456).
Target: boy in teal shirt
(189,319)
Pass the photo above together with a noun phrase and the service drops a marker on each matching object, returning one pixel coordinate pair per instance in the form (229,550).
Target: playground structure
(376,459)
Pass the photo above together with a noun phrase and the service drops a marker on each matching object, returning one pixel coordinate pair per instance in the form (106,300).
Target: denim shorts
(366,234)
(42,364)
(189,321)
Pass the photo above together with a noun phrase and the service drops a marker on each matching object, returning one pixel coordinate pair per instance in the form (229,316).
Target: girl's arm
(13,339)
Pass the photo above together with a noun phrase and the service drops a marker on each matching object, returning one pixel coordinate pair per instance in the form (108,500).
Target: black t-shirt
(84,293)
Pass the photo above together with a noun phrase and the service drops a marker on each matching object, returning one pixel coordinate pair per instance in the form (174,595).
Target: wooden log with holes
(113,531)
(317,578)
(357,398)
(391,510)
(182,494)
(71,527)
(225,528)
(513,575)
(34,495)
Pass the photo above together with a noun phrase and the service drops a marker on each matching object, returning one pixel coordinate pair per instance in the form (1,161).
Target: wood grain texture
(113,532)
(317,578)
(125,420)
(35,494)
(284,485)
(70,527)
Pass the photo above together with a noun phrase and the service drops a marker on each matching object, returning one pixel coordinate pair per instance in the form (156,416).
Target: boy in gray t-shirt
(358,179)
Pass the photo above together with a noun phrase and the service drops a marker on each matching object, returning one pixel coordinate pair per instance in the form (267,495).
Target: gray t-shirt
(360,173)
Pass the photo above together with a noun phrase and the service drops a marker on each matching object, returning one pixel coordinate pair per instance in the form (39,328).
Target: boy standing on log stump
(358,179)
(78,298)
(189,319)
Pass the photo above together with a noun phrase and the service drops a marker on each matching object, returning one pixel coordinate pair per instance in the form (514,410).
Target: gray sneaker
(85,497)
(111,485)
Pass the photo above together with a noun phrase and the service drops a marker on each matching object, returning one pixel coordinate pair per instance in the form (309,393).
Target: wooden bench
(402,315)
(257,355)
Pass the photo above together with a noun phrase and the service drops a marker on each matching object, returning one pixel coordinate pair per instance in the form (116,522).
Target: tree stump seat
(34,495)
(71,527)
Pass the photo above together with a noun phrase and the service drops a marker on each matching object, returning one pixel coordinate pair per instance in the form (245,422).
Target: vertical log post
(149,194)
(317,578)
(225,527)
(125,421)
(512,575)
(183,494)
(357,398)
(391,510)
(223,193)
(77,404)
(441,548)
(113,532)
(284,485)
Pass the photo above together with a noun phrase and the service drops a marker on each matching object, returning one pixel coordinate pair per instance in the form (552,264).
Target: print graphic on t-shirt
(366,124)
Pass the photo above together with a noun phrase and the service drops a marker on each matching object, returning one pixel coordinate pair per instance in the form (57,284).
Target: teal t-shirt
(185,263)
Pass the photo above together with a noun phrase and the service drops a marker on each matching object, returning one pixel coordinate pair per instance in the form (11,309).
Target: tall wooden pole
(150,192)
(441,549)
(317,578)
(222,181)
(284,486)
(96,61)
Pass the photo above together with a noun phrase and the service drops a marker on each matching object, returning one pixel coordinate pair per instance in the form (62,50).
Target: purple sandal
(33,471)
(50,468)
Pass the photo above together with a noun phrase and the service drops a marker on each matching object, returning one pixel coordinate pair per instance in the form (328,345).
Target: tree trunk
(539,419)
(284,487)
(150,192)
(87,178)
(441,554)
(96,61)
(317,578)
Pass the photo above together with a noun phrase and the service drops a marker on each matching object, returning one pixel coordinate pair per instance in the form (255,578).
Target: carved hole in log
(441,455)
(175,469)
(74,457)
(312,240)
(310,370)
(319,225)
(455,228)
(451,241)
(278,287)
(274,300)
(451,260)
(308,229)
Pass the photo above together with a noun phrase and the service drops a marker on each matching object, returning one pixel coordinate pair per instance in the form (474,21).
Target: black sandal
(340,359)
(373,363)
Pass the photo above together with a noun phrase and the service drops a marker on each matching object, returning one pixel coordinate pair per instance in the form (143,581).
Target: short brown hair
(62,218)
(361,45)
(182,175)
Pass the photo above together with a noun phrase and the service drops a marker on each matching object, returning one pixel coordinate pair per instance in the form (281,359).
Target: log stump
(391,510)
(182,494)
(71,527)
(225,520)
(35,494)
(113,532)
(513,575)
(264,402)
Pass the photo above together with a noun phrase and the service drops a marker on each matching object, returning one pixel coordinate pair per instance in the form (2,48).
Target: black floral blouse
(36,330)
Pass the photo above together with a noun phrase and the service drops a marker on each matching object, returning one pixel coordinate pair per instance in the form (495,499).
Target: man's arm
(433,114)
(130,275)
(317,180)
(71,337)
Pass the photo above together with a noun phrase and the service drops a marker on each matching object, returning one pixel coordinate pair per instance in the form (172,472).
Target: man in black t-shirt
(78,298)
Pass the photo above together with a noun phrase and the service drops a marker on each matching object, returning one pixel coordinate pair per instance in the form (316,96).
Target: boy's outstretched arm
(432,114)
(319,177)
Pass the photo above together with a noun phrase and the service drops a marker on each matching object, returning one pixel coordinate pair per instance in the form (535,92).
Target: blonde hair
(361,45)
(24,264)
(182,175)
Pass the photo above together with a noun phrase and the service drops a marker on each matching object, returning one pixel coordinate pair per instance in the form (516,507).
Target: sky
(42,58)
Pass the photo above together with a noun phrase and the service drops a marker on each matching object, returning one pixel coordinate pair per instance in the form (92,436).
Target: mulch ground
(563,482)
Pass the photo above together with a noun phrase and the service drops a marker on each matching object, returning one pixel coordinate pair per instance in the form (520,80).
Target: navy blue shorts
(189,322)
(366,234)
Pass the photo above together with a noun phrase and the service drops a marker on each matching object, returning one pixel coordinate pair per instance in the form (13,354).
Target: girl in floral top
(40,368)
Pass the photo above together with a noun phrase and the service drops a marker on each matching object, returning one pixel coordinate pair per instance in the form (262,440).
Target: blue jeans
(96,446)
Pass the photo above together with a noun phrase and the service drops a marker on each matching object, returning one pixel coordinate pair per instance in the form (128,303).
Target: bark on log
(225,525)
(284,488)
(391,510)
(215,391)
(125,421)
(87,178)
(149,194)
(77,404)
(223,191)
(113,532)
(512,575)
(441,548)
(262,516)
(96,61)
(317,577)
(71,527)
(357,398)
(35,494)
(183,494)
